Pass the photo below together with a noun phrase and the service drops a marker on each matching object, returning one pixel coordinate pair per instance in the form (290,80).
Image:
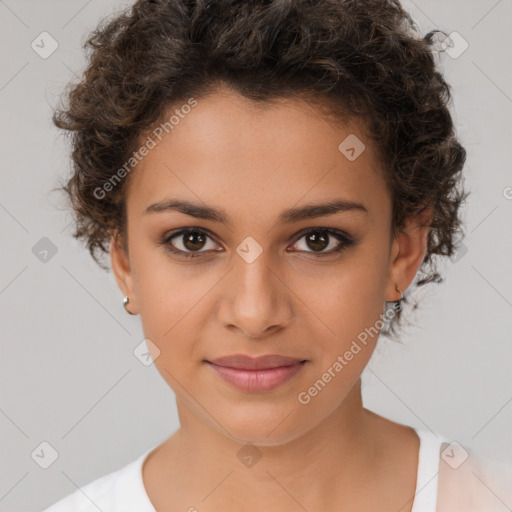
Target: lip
(258,374)
(243,362)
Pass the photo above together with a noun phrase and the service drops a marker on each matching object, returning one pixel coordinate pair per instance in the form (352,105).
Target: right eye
(188,242)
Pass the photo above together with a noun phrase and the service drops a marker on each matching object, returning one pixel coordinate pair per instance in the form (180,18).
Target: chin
(271,429)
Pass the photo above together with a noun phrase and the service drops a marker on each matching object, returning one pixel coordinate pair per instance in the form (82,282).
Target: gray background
(68,374)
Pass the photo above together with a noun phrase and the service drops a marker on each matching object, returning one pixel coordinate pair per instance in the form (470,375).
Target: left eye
(320,239)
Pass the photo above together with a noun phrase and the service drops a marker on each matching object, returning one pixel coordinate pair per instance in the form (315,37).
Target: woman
(270,180)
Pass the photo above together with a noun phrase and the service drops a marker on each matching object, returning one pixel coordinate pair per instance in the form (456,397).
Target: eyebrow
(288,216)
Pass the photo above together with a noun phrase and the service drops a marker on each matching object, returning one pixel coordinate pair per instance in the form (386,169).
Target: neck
(330,459)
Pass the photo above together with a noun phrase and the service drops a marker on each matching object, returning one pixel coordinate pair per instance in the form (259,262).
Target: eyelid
(332,231)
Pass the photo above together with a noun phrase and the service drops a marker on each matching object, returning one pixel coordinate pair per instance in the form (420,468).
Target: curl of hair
(362,59)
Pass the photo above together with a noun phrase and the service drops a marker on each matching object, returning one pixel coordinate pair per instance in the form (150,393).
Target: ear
(407,252)
(122,271)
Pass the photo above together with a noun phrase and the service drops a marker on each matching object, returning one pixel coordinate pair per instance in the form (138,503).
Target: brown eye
(319,239)
(188,241)
(194,241)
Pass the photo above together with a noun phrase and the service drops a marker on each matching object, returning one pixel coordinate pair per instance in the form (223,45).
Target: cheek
(168,308)
(169,316)
(350,307)
(173,301)
(348,297)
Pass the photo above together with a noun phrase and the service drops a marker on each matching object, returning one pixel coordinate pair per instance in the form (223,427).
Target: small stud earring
(126,301)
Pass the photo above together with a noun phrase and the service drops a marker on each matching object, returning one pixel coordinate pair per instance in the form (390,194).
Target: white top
(456,479)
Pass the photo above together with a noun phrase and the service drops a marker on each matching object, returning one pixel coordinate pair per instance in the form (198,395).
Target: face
(261,271)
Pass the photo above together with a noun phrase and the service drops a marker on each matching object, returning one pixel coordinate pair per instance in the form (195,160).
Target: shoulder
(117,491)
(98,494)
(472,482)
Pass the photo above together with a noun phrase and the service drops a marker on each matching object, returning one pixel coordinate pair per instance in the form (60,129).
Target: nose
(255,299)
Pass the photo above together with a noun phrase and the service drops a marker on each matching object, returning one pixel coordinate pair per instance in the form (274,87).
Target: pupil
(196,239)
(317,242)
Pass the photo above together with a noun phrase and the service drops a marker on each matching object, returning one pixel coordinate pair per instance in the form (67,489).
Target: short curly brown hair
(363,58)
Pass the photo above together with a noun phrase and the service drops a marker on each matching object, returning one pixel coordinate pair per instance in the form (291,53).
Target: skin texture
(253,163)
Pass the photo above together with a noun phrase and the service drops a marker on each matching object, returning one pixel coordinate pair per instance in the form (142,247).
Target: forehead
(258,158)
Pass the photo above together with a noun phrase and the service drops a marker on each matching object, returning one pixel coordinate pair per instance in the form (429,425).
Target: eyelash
(342,237)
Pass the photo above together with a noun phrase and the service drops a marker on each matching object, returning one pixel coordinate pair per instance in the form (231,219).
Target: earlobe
(122,272)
